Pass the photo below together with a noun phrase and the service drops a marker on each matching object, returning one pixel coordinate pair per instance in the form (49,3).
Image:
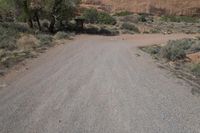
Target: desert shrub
(8,37)
(27,42)
(129,19)
(17,27)
(142,18)
(195,69)
(62,35)
(12,58)
(45,39)
(105,18)
(101,30)
(155,30)
(187,19)
(71,26)
(195,47)
(176,50)
(91,15)
(108,31)
(92,29)
(10,31)
(123,13)
(153,50)
(8,43)
(130,27)
(172,53)
(45,25)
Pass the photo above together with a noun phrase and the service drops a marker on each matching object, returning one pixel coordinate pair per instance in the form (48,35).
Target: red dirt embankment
(169,7)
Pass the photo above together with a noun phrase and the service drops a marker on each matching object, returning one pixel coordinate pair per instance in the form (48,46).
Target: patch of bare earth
(194,57)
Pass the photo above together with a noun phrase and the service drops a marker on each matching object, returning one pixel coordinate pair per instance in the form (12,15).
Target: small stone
(3,85)
(138,55)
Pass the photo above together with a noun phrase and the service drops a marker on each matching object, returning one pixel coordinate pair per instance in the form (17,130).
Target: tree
(60,10)
(53,10)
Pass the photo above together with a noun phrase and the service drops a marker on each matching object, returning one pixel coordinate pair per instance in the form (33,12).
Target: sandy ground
(98,84)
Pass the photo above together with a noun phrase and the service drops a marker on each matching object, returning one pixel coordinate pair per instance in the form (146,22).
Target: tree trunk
(55,10)
(38,20)
(28,13)
(30,22)
(52,23)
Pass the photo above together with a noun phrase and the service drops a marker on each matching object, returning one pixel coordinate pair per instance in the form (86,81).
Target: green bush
(153,50)
(62,35)
(196,69)
(178,19)
(108,31)
(94,17)
(105,18)
(101,30)
(195,47)
(123,13)
(91,15)
(92,29)
(142,18)
(45,39)
(130,27)
(12,58)
(176,50)
(8,35)
(156,30)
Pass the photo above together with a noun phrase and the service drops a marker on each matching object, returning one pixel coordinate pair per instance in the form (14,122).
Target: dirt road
(99,85)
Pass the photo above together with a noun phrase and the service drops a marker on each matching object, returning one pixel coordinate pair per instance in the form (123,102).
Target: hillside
(170,7)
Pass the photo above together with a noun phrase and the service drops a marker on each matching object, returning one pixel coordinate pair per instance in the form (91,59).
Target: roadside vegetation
(99,23)
(29,27)
(187,19)
(148,23)
(95,17)
(183,54)
(129,28)
(123,13)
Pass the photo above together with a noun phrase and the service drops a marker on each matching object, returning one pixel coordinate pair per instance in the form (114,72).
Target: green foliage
(142,18)
(9,59)
(123,13)
(101,30)
(195,47)
(153,50)
(105,18)
(108,31)
(45,39)
(176,50)
(178,19)
(130,27)
(9,51)
(9,33)
(56,11)
(93,16)
(6,5)
(92,29)
(62,35)
(195,69)
(155,30)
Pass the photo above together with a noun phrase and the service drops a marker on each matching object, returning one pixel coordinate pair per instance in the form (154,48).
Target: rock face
(169,7)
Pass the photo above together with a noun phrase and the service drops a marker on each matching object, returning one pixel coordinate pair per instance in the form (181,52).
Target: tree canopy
(55,11)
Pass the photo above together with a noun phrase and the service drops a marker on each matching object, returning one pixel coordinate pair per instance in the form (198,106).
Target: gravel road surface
(98,84)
